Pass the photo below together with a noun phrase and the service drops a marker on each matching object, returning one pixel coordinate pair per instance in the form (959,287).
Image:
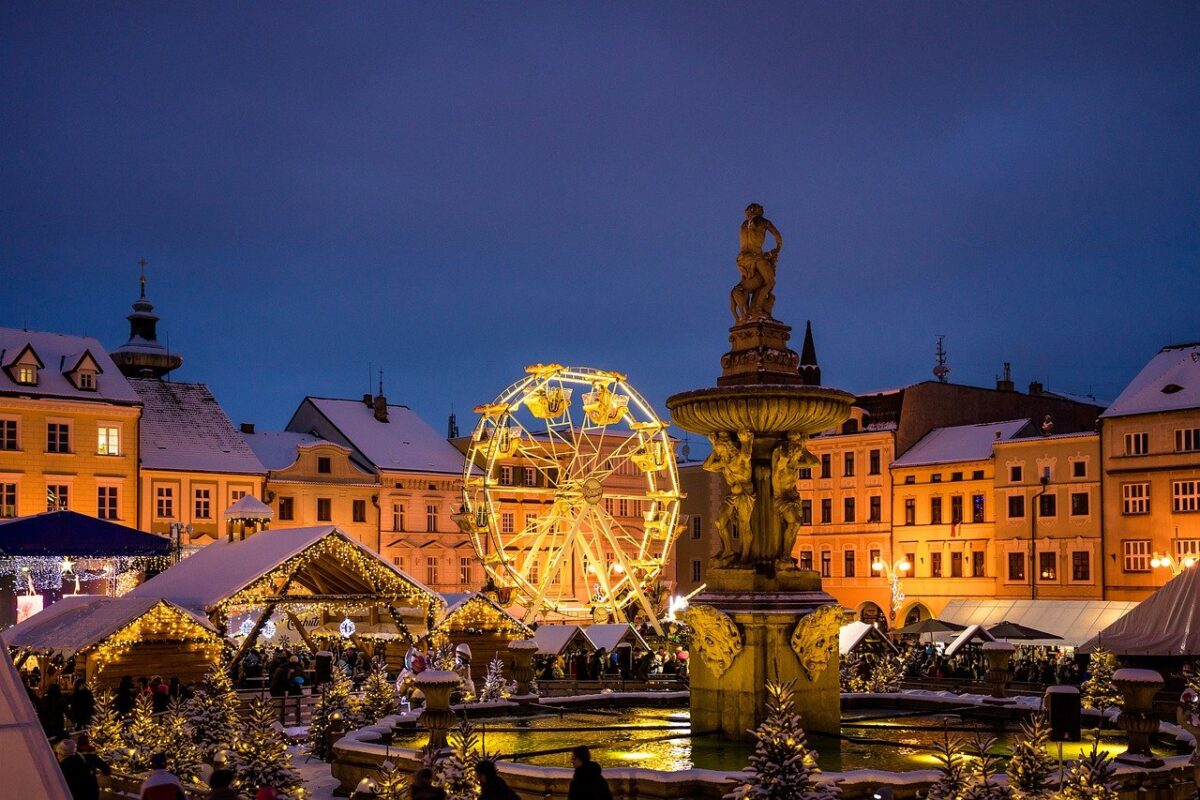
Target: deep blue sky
(453,192)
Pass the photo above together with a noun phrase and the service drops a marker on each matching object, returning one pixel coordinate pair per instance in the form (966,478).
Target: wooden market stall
(477,621)
(567,645)
(110,637)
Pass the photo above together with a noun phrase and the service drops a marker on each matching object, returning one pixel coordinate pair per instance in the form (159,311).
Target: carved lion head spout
(714,636)
(815,640)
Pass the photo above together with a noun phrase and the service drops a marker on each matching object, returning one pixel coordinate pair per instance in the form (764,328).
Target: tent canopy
(1167,623)
(855,633)
(554,640)
(68,533)
(607,637)
(30,769)
(1075,621)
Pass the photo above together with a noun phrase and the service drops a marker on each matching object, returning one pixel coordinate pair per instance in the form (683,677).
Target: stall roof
(457,601)
(854,633)
(553,640)
(1167,623)
(69,533)
(78,622)
(1075,621)
(30,769)
(969,635)
(607,637)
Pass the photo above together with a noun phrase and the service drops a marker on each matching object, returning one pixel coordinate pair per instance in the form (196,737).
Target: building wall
(418,534)
(1160,529)
(185,505)
(296,494)
(692,554)
(32,470)
(1067,565)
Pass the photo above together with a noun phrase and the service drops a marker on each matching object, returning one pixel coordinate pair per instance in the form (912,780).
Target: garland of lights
(36,574)
(172,627)
(477,616)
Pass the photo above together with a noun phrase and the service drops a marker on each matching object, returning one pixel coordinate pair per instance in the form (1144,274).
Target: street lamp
(1033,559)
(893,573)
(1176,567)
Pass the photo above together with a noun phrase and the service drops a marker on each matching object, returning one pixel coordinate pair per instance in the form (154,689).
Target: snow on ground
(317,778)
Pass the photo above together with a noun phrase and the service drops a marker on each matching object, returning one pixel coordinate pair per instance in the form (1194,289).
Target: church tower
(143,356)
(810,372)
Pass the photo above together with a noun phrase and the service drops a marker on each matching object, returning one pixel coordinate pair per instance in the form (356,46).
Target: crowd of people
(1036,665)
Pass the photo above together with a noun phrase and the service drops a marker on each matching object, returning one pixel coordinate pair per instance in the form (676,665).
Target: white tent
(607,637)
(30,769)
(555,640)
(1075,621)
(1167,623)
(972,633)
(854,633)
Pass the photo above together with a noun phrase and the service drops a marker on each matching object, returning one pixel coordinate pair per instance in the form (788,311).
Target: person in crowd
(423,788)
(220,786)
(491,785)
(158,694)
(126,694)
(161,783)
(79,774)
(588,782)
(53,711)
(83,704)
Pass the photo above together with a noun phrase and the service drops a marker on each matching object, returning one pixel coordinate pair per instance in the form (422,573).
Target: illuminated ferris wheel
(571,494)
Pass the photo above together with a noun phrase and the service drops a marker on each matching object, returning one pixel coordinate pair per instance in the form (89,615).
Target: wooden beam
(251,638)
(299,626)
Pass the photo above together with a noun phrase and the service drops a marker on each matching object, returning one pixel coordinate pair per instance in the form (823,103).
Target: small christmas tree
(1030,767)
(850,669)
(494,686)
(213,713)
(1099,691)
(261,757)
(1090,778)
(952,768)
(782,767)
(379,695)
(183,755)
(886,671)
(143,735)
(982,769)
(455,772)
(392,783)
(107,732)
(334,699)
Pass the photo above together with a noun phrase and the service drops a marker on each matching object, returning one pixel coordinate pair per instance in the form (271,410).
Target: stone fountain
(761,618)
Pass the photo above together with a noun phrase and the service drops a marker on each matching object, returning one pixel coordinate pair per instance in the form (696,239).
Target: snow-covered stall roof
(59,353)
(460,601)
(1075,621)
(852,634)
(223,569)
(30,769)
(78,622)
(184,428)
(405,442)
(1167,623)
(972,633)
(1170,382)
(249,507)
(607,637)
(554,640)
(962,443)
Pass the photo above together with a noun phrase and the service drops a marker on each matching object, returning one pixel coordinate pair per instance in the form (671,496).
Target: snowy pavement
(317,778)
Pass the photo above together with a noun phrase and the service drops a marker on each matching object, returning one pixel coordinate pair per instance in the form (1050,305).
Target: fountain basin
(766,409)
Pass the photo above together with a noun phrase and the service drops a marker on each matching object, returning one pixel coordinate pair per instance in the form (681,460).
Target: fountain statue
(760,617)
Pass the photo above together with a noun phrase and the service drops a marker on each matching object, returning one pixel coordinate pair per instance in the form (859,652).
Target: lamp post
(1033,566)
(893,573)
(1176,567)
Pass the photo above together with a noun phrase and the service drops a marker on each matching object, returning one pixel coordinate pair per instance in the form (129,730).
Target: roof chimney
(1005,384)
(1035,388)
(367,401)
(247,427)
(381,408)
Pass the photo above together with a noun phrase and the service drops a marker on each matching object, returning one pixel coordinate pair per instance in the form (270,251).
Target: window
(806,512)
(324,509)
(935,478)
(323,465)
(695,570)
(506,476)
(529,476)
(848,465)
(1137,444)
(465,572)
(431,517)
(1187,440)
(8,435)
(826,564)
(535,571)
(58,437)
(8,500)
(910,478)
(849,564)
(1187,548)
(697,527)
(608,506)
(164,502)
(848,509)
(235,495)
(935,511)
(86,380)
(555,576)
(1016,506)
(531,521)
(1185,496)
(1016,566)
(910,511)
(873,463)
(1048,567)
(956,476)
(203,504)
(506,522)
(1014,474)
(1048,505)
(806,561)
(1137,555)
(287,509)
(875,512)
(1081,566)
(1078,469)
(956,509)
(1079,504)
(358,511)
(978,565)
(431,570)
(875,559)
(826,511)
(398,561)
(106,502)
(825,465)
(977,508)
(397,516)
(58,497)
(108,440)
(622,507)
(977,475)
(1135,498)
(935,565)
(805,474)
(956,565)
(27,374)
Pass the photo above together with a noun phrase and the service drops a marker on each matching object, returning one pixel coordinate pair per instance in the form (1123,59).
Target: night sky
(453,192)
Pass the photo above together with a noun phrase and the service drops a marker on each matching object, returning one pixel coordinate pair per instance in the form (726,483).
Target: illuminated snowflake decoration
(346,629)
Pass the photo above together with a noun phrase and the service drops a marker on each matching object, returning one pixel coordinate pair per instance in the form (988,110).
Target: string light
(347,628)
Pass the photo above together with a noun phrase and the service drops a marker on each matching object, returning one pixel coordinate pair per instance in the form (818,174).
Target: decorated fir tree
(1099,691)
(983,768)
(850,669)
(1090,778)
(953,774)
(782,767)
(494,686)
(183,755)
(334,698)
(213,713)
(107,732)
(379,695)
(392,783)
(143,735)
(455,771)
(886,671)
(1030,767)
(261,757)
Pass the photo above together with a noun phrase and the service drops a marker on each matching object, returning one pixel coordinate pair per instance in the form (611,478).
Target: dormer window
(23,368)
(81,369)
(26,374)
(87,381)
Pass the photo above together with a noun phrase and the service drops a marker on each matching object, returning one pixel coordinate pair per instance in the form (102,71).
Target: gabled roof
(607,637)
(30,769)
(461,601)
(554,640)
(404,443)
(185,429)
(69,533)
(73,361)
(852,634)
(78,622)
(249,507)
(1170,382)
(278,450)
(57,349)
(1167,623)
(962,443)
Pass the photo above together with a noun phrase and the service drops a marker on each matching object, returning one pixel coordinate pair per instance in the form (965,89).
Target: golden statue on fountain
(754,295)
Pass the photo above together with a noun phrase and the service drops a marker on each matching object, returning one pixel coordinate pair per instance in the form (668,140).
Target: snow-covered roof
(607,637)
(1075,621)
(30,769)
(280,449)
(553,640)
(220,570)
(249,507)
(457,601)
(852,635)
(78,622)
(404,443)
(967,636)
(60,353)
(184,428)
(961,443)
(1170,382)
(1167,623)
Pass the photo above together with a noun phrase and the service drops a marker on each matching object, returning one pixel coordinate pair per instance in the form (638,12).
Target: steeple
(810,371)
(143,356)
